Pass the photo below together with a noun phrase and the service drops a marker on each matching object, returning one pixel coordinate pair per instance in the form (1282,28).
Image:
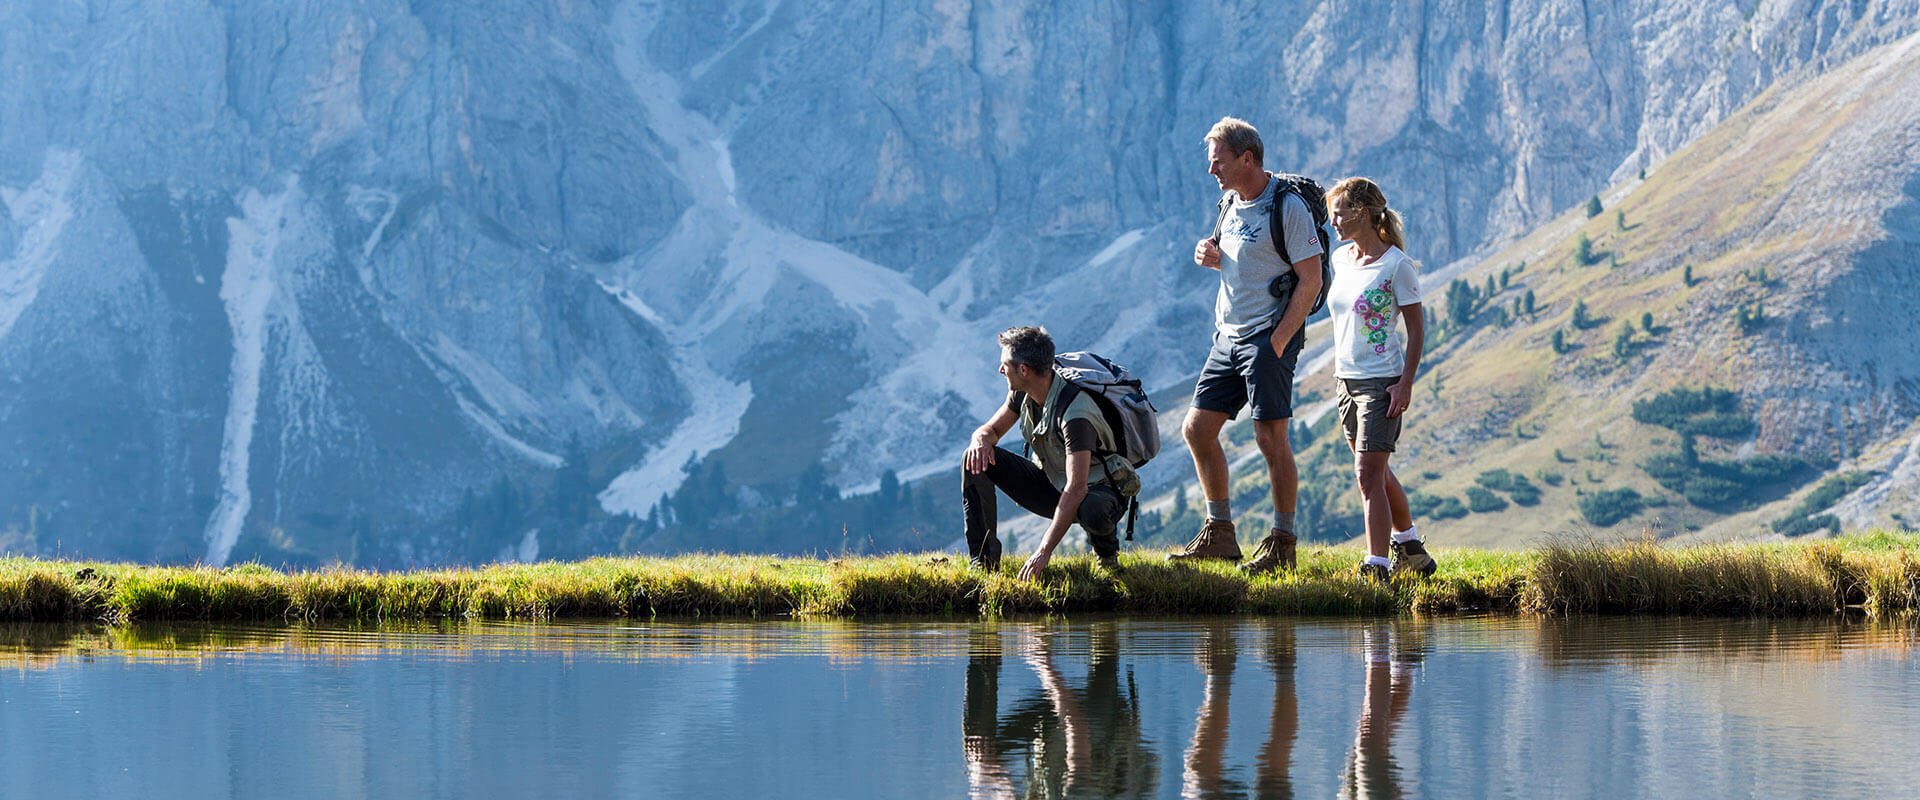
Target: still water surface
(1503,707)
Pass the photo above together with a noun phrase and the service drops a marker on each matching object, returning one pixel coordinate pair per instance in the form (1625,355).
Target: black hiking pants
(1022,480)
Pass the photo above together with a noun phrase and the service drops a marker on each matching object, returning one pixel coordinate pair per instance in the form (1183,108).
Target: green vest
(1049,441)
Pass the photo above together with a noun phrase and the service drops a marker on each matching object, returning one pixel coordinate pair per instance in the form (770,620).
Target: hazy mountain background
(398,283)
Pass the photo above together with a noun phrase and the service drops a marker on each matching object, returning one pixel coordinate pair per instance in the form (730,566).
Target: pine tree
(1559,341)
(1593,206)
(1528,304)
(1646,321)
(1623,341)
(1686,275)
(1582,251)
(1580,319)
(1460,302)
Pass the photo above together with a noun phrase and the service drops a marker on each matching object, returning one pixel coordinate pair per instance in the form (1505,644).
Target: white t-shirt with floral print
(1365,301)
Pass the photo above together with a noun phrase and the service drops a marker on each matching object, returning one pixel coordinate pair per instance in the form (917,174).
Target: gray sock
(1283,520)
(1219,509)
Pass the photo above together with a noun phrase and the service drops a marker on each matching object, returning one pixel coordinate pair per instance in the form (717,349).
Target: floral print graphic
(1375,308)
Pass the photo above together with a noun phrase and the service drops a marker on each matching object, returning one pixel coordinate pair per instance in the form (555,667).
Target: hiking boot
(1411,558)
(989,558)
(1215,540)
(1274,551)
(1373,571)
(1110,563)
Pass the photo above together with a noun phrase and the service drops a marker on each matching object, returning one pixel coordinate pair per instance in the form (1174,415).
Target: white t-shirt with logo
(1249,261)
(1365,302)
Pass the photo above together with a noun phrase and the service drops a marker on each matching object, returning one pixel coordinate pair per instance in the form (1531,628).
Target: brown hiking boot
(1412,558)
(1215,540)
(1274,551)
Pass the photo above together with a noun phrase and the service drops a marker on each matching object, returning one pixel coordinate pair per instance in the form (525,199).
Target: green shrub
(1515,485)
(1710,490)
(1805,517)
(1611,506)
(1483,501)
(1435,506)
(1801,526)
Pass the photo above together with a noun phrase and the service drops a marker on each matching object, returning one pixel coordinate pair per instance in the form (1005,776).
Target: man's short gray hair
(1029,345)
(1239,137)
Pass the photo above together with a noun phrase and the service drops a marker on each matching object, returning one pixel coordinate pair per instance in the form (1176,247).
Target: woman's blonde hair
(1366,194)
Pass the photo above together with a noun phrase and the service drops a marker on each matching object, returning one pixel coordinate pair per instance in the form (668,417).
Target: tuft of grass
(1874,573)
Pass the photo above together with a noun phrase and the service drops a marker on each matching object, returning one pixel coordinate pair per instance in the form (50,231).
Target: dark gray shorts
(1363,414)
(1248,370)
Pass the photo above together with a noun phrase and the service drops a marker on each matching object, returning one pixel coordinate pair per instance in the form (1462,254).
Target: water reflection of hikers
(1084,742)
(1393,654)
(1375,283)
(1069,435)
(1204,773)
(1265,231)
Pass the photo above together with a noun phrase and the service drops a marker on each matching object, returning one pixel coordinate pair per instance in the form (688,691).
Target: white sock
(1381,560)
(1411,534)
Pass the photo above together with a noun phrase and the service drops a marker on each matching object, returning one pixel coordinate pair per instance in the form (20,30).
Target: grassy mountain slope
(1756,286)
(1775,257)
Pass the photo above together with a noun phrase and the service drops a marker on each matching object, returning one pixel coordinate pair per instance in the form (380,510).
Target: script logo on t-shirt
(1242,230)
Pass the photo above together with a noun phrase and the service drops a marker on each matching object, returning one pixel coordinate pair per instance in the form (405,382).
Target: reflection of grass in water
(1875,572)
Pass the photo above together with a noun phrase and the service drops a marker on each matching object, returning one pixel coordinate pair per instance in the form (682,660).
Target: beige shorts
(1363,414)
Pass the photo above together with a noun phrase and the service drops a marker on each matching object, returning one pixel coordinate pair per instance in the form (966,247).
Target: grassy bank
(1875,573)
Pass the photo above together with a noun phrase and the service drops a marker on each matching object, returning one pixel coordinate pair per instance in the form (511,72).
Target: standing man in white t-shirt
(1376,283)
(1256,341)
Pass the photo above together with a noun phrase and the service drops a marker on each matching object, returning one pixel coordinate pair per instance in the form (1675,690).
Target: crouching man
(1074,476)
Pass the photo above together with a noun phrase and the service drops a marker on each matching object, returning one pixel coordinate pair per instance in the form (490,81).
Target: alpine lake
(1501,706)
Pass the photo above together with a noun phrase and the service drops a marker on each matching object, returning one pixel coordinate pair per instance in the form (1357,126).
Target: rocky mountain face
(415,282)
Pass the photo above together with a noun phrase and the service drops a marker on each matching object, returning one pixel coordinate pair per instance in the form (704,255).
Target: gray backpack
(1121,399)
(1124,404)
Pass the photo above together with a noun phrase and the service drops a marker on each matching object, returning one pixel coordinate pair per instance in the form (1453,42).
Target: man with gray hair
(1257,338)
(1059,483)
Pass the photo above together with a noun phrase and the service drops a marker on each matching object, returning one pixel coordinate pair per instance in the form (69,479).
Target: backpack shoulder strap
(1280,193)
(1219,217)
(1068,394)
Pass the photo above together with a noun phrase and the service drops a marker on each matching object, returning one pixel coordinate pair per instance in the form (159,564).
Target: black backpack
(1315,199)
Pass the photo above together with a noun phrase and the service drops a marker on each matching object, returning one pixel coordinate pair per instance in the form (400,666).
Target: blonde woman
(1375,285)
